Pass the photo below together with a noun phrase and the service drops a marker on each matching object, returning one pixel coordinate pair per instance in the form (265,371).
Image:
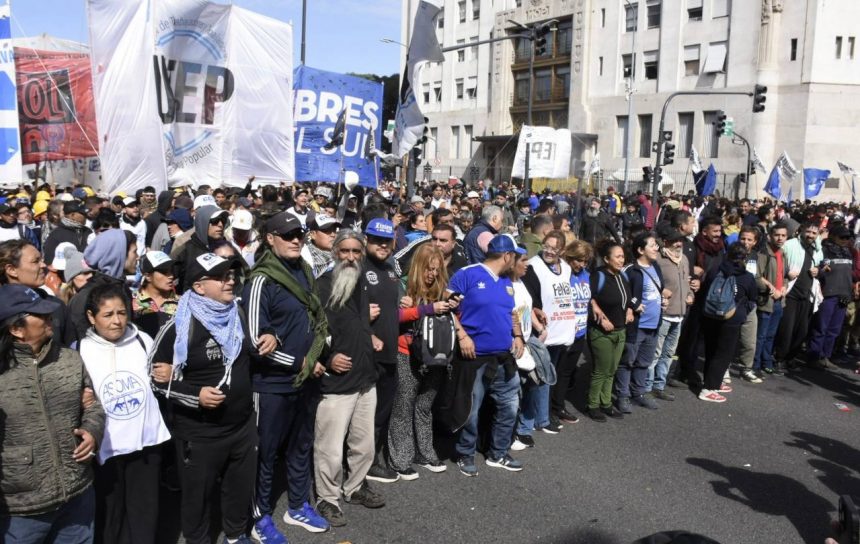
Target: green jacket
(40,405)
(532,243)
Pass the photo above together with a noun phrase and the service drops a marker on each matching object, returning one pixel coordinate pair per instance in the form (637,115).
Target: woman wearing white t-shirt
(126,479)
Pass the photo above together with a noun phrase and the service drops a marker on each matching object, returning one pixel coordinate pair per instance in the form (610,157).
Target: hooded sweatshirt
(197,245)
(156,218)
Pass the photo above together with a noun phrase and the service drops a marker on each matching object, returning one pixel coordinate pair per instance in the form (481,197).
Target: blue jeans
(505,394)
(71,523)
(768,324)
(535,408)
(667,341)
(632,374)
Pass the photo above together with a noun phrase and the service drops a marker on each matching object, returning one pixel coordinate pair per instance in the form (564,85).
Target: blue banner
(813,181)
(706,181)
(320,98)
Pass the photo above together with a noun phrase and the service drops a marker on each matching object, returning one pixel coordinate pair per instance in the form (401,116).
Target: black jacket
(77,236)
(153,220)
(597,228)
(838,281)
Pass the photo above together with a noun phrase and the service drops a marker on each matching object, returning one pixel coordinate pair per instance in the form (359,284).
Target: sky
(342,35)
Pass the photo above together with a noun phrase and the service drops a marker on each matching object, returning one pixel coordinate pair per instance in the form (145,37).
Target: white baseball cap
(204,200)
(242,220)
(473,194)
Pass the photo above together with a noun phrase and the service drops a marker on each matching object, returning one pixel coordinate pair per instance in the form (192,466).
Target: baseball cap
(75,264)
(130,201)
(209,265)
(74,207)
(504,243)
(242,220)
(840,231)
(283,223)
(181,217)
(381,228)
(323,191)
(473,194)
(416,199)
(323,221)
(59,260)
(20,299)
(5,208)
(155,260)
(204,200)
(79,193)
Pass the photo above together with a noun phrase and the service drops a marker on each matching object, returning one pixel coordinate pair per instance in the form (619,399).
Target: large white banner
(549,153)
(190,92)
(11,171)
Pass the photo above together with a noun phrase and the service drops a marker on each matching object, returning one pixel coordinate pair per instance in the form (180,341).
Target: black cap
(20,299)
(840,231)
(73,206)
(5,208)
(283,223)
(155,260)
(209,265)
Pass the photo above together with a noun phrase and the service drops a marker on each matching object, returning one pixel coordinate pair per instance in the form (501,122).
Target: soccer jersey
(485,311)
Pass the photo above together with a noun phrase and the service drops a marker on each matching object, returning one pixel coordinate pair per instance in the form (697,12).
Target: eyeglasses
(550,249)
(225,278)
(290,236)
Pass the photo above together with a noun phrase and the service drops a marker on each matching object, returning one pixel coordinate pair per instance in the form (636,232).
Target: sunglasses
(218,221)
(290,236)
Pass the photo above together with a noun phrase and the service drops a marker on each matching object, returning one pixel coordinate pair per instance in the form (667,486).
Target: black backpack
(434,340)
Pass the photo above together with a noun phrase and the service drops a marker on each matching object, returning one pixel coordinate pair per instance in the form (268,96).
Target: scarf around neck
(707,247)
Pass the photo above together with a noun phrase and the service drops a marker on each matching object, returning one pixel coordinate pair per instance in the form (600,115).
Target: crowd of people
(201,340)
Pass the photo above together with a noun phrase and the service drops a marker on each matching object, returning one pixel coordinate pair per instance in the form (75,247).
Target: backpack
(720,300)
(435,338)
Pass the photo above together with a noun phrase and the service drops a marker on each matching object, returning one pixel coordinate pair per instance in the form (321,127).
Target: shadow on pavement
(772,494)
(590,535)
(840,382)
(836,461)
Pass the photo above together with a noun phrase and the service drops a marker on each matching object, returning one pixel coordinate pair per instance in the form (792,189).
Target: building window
(472,88)
(694,10)
(838,47)
(426,94)
(564,35)
(432,147)
(651,65)
(543,85)
(523,50)
(473,51)
(437,90)
(716,59)
(620,135)
(459,88)
(691,60)
(645,136)
(562,81)
(794,49)
(654,7)
(711,143)
(685,133)
(521,88)
(631,16)
(851,47)
(461,53)
(627,64)
(721,8)
(831,183)
(455,143)
(461,6)
(466,153)
(476,9)
(602,17)
(440,21)
(600,66)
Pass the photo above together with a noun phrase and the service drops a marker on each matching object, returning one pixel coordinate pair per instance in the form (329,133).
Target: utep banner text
(55,105)
(10,141)
(549,153)
(208,101)
(319,99)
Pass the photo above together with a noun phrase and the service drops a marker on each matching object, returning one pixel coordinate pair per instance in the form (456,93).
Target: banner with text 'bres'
(190,92)
(55,105)
(10,142)
(549,153)
(321,100)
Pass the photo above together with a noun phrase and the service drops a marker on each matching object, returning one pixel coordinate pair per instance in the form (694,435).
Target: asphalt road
(765,467)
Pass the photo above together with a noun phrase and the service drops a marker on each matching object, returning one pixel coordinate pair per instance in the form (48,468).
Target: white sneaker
(711,396)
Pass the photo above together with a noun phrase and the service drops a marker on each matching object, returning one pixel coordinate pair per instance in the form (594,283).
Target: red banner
(56,111)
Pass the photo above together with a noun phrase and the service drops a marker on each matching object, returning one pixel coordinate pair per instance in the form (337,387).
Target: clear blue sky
(342,35)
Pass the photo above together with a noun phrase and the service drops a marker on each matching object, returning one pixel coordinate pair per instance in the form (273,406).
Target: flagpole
(686,174)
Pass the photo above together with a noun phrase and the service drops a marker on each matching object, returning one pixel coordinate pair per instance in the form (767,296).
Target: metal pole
(527,182)
(410,176)
(628,144)
(304,26)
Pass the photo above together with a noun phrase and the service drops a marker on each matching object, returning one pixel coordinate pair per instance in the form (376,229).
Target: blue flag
(706,181)
(772,186)
(813,181)
(346,109)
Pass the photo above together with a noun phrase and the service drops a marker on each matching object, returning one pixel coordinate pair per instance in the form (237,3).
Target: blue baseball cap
(504,243)
(20,299)
(381,228)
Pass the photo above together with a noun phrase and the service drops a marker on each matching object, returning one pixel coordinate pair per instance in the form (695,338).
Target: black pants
(127,497)
(793,328)
(386,390)
(285,421)
(565,369)
(721,343)
(689,346)
(233,459)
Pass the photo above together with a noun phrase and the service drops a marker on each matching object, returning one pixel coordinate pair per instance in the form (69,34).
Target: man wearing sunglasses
(209,225)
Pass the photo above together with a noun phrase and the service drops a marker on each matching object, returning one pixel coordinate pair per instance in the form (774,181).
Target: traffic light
(759,98)
(423,138)
(742,178)
(647,174)
(416,155)
(668,153)
(721,123)
(539,33)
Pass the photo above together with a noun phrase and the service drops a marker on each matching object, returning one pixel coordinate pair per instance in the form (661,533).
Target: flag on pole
(339,133)
(423,48)
(594,165)
(813,181)
(706,181)
(10,137)
(695,161)
(758,165)
(370,147)
(781,178)
(846,170)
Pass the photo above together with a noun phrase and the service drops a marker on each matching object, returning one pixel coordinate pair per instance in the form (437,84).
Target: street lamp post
(628,144)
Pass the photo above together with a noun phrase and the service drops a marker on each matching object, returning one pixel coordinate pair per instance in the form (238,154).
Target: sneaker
(408,475)
(366,496)
(433,466)
(662,395)
(725,388)
(554,426)
(750,376)
(623,405)
(332,513)
(779,370)
(711,396)
(466,464)
(385,475)
(612,412)
(566,417)
(265,532)
(768,371)
(507,462)
(645,401)
(307,518)
(243,539)
(596,415)
(677,384)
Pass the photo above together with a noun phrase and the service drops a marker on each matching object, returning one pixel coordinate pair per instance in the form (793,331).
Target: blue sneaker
(308,518)
(466,464)
(265,532)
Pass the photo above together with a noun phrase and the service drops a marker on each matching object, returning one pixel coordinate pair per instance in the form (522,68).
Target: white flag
(695,161)
(758,165)
(423,48)
(594,166)
(846,170)
(549,153)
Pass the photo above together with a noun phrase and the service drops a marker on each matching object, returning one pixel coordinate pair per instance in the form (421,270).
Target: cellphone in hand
(849,521)
(455,296)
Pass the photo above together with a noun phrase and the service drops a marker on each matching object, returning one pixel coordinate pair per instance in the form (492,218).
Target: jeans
(535,408)
(504,391)
(768,323)
(667,341)
(71,523)
(632,374)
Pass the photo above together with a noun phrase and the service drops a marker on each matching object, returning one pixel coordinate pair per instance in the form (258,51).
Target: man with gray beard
(348,405)
(596,224)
